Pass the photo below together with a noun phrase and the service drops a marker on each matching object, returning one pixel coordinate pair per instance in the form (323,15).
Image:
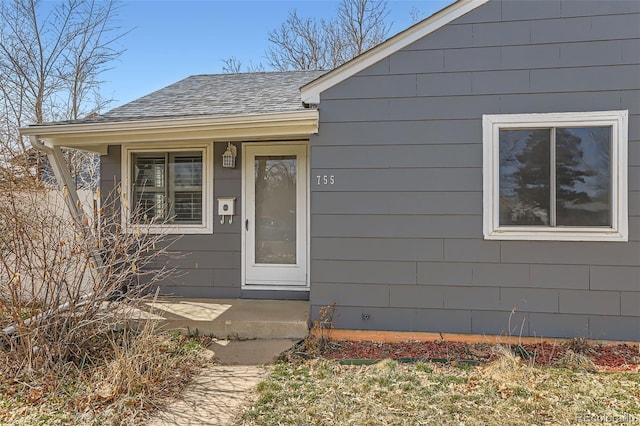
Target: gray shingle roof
(217,95)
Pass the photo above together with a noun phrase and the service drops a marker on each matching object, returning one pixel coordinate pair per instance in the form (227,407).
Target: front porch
(232,318)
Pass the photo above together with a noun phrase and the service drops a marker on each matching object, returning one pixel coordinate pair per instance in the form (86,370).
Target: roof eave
(312,90)
(96,136)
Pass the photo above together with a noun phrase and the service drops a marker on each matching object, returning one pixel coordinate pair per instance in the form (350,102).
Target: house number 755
(325,180)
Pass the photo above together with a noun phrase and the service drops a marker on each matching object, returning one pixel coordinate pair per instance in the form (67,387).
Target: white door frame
(248,271)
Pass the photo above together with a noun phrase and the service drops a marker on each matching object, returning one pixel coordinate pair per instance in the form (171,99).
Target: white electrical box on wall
(226,207)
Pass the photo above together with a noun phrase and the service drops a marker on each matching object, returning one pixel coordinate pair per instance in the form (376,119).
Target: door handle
(246,225)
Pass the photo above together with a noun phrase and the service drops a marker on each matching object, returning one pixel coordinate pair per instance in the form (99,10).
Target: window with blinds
(167,187)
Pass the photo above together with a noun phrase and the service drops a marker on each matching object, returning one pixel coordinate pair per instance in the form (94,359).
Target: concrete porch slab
(250,352)
(234,318)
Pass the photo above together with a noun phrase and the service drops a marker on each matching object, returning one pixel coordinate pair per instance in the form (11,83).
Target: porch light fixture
(229,156)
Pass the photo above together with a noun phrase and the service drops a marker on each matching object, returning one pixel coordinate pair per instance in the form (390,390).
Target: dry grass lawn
(122,383)
(507,391)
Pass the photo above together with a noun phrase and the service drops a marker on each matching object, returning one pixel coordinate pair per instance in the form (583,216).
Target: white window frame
(127,151)
(491,126)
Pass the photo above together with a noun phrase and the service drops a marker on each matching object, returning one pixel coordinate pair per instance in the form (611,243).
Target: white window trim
(491,125)
(207,185)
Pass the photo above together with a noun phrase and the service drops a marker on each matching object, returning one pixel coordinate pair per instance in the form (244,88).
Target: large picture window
(556,176)
(168,188)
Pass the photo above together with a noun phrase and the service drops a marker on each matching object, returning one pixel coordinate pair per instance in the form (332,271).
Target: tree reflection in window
(555,177)
(583,178)
(524,177)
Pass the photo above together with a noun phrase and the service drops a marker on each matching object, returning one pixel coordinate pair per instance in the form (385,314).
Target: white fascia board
(311,91)
(95,136)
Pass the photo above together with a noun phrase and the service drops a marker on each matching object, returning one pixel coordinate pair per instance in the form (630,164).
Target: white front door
(275,216)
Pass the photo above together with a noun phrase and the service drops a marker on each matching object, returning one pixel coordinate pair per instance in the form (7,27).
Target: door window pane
(275,209)
(524,177)
(583,177)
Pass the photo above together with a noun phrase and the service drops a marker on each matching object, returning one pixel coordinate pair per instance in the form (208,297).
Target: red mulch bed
(618,357)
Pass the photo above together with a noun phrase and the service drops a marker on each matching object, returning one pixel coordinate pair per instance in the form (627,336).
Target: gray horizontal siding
(444,273)
(417,179)
(511,323)
(421,132)
(406,62)
(393,226)
(206,265)
(585,253)
(615,327)
(590,302)
(415,249)
(501,58)
(615,278)
(634,152)
(630,304)
(493,81)
(220,242)
(585,79)
(474,274)
(403,142)
(501,274)
(529,300)
(560,276)
(398,156)
(598,7)
(468,107)
(207,259)
(634,178)
(409,296)
(369,295)
(364,272)
(399,202)
(471,250)
(525,31)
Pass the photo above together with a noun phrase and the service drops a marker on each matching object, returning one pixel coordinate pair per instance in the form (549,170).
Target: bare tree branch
(51,57)
(308,44)
(231,65)
(363,24)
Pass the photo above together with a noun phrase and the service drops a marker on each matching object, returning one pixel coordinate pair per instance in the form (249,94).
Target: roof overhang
(97,136)
(311,91)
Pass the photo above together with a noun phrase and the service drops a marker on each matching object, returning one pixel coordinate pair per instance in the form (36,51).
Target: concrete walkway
(216,397)
(260,330)
(219,394)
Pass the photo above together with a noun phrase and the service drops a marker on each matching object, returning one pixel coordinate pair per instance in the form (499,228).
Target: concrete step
(234,318)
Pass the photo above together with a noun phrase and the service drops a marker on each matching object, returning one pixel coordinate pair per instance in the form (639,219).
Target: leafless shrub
(580,345)
(60,286)
(320,331)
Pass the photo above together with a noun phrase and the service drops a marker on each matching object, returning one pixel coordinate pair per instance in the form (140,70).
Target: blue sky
(171,39)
